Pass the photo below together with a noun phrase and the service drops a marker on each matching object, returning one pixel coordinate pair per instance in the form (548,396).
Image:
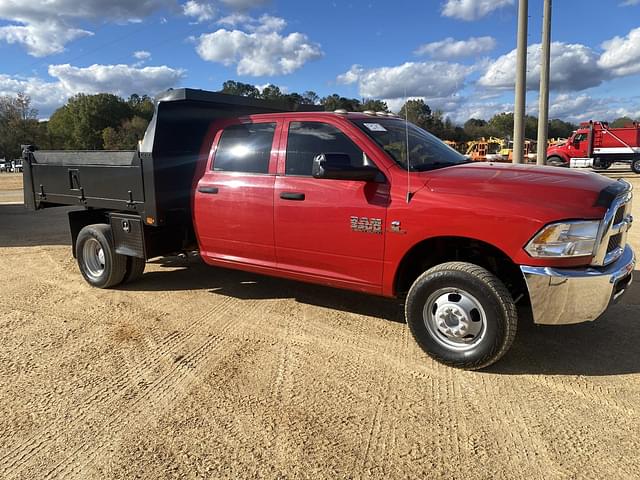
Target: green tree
(18,125)
(336,102)
(126,136)
(501,125)
(374,105)
(476,128)
(560,129)
(79,123)
(233,87)
(141,106)
(417,112)
(621,122)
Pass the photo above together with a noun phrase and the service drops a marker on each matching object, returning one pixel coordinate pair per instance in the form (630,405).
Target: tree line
(106,121)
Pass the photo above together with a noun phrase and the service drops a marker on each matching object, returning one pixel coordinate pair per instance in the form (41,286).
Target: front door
(333,229)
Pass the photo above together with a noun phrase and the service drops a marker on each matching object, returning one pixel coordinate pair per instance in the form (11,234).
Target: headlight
(566,239)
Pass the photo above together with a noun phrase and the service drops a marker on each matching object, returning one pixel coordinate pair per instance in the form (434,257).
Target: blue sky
(456,54)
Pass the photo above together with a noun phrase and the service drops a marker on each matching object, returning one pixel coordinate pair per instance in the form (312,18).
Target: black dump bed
(156,180)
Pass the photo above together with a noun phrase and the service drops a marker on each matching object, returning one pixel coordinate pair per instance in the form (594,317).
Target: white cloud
(351,76)
(235,19)
(45,96)
(622,54)
(451,48)
(629,3)
(425,79)
(44,28)
(472,9)
(202,12)
(264,51)
(42,38)
(582,108)
(244,4)
(573,67)
(121,80)
(141,55)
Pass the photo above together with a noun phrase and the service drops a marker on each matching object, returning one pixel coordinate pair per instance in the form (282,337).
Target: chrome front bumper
(561,296)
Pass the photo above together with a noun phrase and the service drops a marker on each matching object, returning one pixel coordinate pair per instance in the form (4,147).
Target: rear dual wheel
(461,315)
(99,264)
(635,165)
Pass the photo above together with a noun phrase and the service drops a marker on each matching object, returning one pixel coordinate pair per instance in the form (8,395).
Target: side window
(309,139)
(245,148)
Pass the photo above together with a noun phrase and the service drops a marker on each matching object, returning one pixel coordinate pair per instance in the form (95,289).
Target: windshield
(426,152)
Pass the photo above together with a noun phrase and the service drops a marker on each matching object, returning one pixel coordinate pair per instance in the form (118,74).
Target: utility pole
(543,117)
(521,82)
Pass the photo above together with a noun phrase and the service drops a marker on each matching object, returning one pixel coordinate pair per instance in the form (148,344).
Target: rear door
(233,205)
(331,229)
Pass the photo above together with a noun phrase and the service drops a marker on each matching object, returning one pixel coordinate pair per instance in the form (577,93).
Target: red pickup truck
(358,201)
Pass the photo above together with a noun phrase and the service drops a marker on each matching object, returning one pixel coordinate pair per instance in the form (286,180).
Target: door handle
(212,190)
(292,196)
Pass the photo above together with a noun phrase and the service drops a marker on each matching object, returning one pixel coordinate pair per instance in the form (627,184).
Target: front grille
(619,215)
(614,242)
(613,238)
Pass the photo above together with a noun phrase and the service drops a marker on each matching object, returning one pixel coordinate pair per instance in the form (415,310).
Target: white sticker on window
(375,127)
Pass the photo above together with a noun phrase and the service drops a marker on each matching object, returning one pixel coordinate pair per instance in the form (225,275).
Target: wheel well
(434,251)
(78,219)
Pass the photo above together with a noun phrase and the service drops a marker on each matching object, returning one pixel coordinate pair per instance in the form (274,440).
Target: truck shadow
(608,346)
(193,274)
(20,227)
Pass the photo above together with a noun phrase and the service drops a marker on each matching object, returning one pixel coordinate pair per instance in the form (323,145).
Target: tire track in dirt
(114,390)
(568,435)
(153,396)
(382,431)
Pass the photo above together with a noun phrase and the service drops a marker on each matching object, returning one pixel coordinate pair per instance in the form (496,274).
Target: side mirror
(337,166)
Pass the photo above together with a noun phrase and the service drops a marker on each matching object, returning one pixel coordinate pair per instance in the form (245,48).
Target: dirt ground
(197,372)
(10,187)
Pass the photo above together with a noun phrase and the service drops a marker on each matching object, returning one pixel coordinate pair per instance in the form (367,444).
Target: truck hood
(545,192)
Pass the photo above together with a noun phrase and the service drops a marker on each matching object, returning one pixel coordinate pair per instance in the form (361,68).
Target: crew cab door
(233,206)
(327,228)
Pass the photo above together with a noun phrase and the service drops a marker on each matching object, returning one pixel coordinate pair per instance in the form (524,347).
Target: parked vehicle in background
(485,150)
(596,145)
(16,166)
(4,165)
(365,202)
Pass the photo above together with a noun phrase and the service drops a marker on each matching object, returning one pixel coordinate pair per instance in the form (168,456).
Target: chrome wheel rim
(93,256)
(455,318)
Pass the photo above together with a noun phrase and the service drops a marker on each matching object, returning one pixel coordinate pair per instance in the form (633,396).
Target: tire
(99,264)
(476,320)
(556,161)
(635,165)
(134,270)
(601,164)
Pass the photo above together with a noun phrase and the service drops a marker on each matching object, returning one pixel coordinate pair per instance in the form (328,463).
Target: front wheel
(635,165)
(599,164)
(461,315)
(556,161)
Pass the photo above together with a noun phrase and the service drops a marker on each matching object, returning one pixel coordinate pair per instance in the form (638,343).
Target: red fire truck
(596,144)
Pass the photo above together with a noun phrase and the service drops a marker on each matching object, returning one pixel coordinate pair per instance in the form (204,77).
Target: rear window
(245,148)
